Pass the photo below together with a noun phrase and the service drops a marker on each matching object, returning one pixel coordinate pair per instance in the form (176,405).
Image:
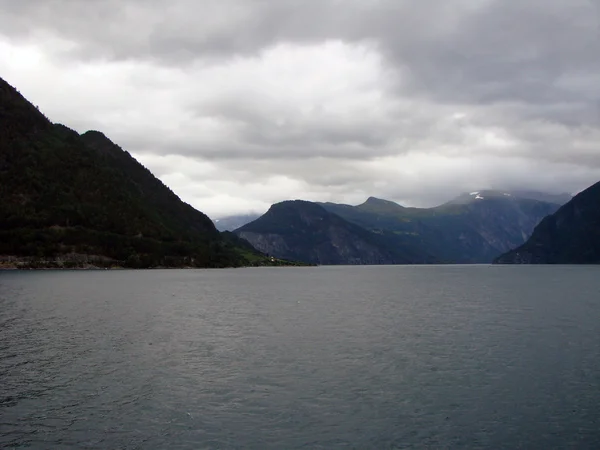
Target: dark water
(329,357)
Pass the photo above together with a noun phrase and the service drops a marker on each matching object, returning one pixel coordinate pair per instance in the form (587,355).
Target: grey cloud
(523,73)
(506,50)
(459,51)
(311,136)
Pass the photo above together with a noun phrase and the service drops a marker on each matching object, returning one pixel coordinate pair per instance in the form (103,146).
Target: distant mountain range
(557,199)
(473,228)
(70,200)
(231,223)
(569,236)
(307,232)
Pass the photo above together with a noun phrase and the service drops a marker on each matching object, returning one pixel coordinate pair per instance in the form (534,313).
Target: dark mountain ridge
(305,231)
(569,236)
(377,205)
(71,200)
(474,228)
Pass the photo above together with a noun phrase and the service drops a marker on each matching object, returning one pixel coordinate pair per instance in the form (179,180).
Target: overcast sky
(237,104)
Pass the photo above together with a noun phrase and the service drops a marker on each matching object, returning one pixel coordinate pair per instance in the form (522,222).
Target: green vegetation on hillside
(63,195)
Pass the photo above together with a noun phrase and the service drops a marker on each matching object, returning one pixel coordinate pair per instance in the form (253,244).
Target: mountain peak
(305,231)
(296,204)
(476,196)
(381,206)
(95,134)
(486,194)
(96,139)
(378,201)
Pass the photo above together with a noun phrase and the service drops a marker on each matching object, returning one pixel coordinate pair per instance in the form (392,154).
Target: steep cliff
(569,236)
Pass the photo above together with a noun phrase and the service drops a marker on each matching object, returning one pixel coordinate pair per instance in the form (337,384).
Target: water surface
(326,357)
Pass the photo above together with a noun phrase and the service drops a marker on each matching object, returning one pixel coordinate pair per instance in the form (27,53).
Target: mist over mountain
(473,228)
(231,223)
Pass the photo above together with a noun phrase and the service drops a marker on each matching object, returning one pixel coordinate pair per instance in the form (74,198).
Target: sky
(238,104)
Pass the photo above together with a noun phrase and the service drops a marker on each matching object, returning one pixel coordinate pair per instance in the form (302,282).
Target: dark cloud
(238,103)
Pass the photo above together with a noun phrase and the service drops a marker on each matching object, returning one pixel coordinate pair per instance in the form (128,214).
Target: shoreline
(24,263)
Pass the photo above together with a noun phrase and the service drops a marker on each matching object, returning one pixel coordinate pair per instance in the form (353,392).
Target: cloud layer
(236,104)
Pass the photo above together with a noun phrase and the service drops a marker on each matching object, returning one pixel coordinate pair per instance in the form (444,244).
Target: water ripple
(328,357)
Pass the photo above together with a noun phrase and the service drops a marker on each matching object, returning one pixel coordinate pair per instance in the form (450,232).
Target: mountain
(558,199)
(69,200)
(305,231)
(569,236)
(231,223)
(473,228)
(379,206)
